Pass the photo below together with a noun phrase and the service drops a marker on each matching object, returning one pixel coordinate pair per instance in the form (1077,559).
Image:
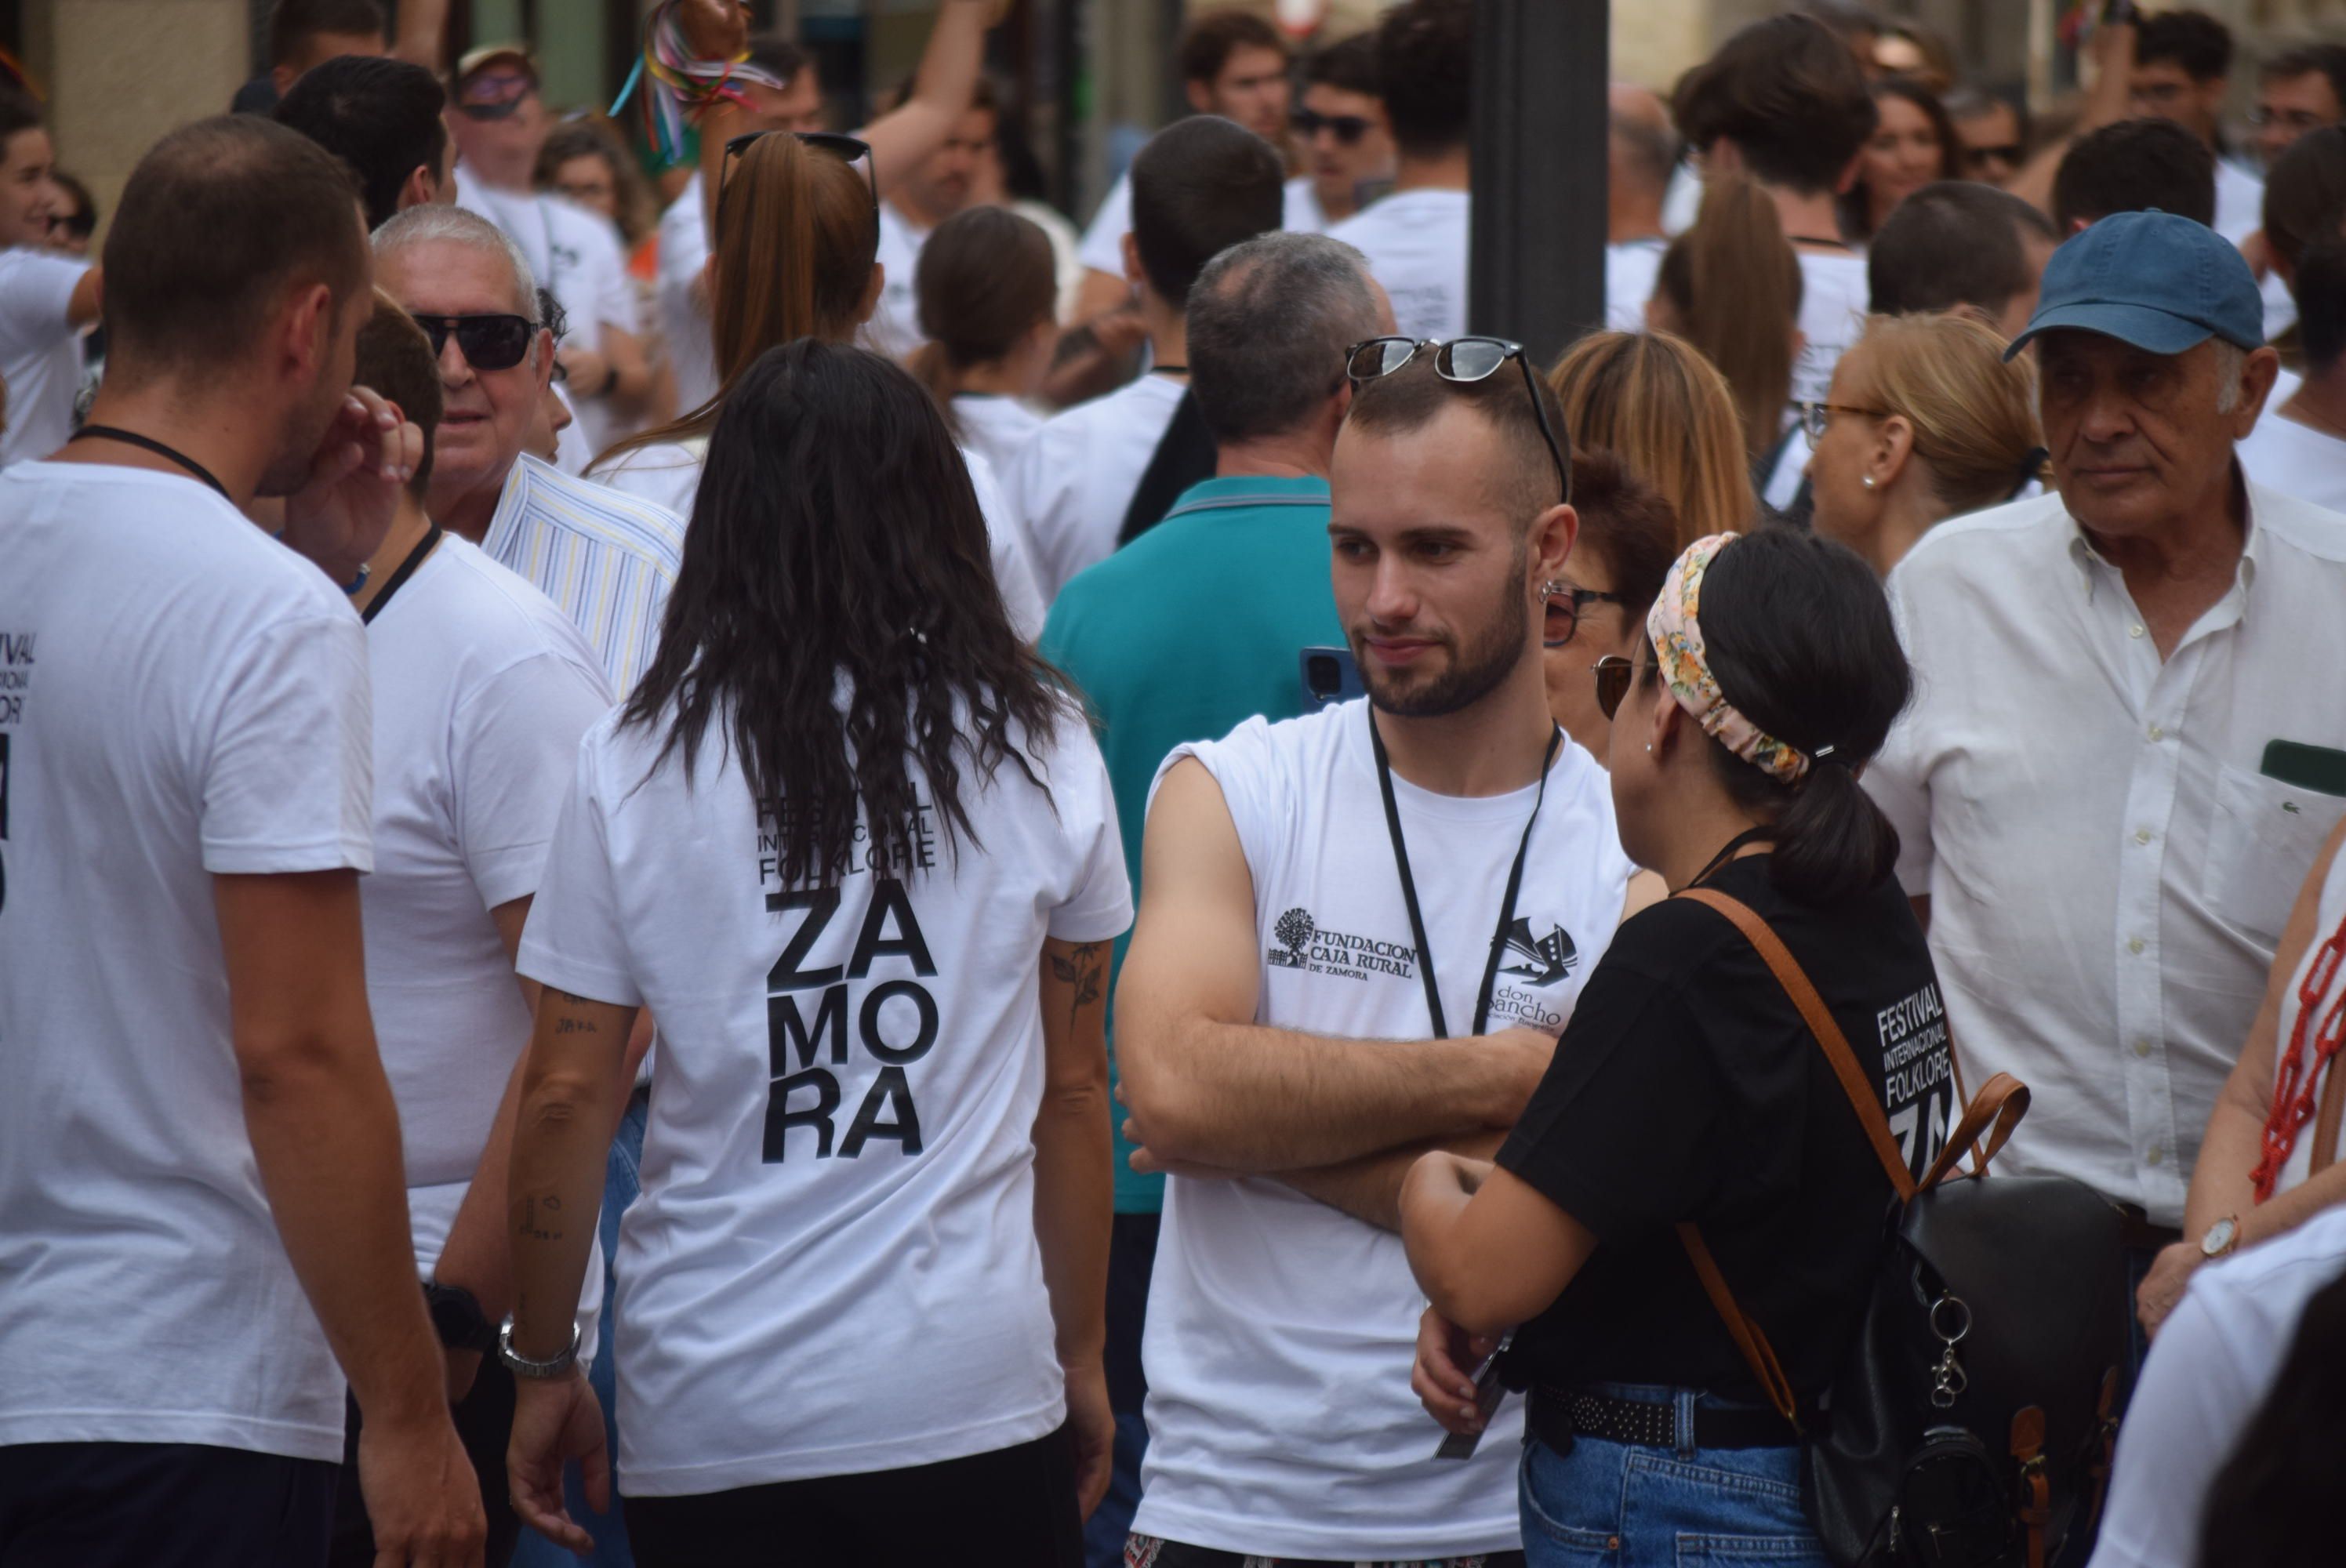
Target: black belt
(2136,1231)
(1556,1416)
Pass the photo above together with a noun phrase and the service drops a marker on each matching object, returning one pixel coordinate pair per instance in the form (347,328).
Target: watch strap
(522,1366)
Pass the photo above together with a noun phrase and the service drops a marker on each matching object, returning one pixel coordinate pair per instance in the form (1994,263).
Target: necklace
(148,444)
(2294,1084)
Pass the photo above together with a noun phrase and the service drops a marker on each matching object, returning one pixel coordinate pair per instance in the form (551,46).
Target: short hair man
(1347,142)
(187,759)
(1416,239)
(482,690)
(1258,1048)
(1994,133)
(1199,187)
(499,124)
(2106,937)
(45,299)
(1247,551)
(931,191)
(1641,155)
(2134,165)
(2299,447)
(2302,89)
(1957,246)
(607,558)
(1233,65)
(383,118)
(2182,68)
(304,34)
(1784,102)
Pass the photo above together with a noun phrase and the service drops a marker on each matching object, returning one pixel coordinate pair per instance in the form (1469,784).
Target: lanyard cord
(148,444)
(399,578)
(1749,836)
(1409,886)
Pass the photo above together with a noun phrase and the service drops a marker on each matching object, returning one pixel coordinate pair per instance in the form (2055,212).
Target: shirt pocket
(2263,842)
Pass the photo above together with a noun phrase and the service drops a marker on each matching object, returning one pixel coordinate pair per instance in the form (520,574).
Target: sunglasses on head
(1613,675)
(1348,129)
(1566,608)
(489,343)
(1461,362)
(848,150)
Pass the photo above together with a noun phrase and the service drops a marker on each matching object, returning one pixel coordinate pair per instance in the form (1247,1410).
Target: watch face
(2219,1239)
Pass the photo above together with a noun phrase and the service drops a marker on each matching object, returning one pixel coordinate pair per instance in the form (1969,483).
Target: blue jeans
(622,1180)
(1625,1505)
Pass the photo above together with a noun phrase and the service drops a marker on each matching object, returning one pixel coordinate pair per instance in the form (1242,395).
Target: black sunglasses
(1462,361)
(1614,675)
(1349,128)
(1567,606)
(848,150)
(490,342)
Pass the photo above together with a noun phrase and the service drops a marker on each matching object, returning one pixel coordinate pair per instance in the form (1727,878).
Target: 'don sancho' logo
(1294,930)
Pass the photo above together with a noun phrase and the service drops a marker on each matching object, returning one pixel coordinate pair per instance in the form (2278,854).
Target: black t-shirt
(1687,1088)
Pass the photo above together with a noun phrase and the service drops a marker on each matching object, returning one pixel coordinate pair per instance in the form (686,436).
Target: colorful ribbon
(1678,653)
(675,85)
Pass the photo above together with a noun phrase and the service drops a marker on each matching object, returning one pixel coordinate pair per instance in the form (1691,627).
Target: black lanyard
(147,442)
(406,570)
(1409,887)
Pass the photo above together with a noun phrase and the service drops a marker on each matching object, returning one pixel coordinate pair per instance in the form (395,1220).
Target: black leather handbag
(1972,1421)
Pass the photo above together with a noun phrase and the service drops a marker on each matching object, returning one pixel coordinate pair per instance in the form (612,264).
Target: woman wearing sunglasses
(855,849)
(1598,610)
(1687,1089)
(798,246)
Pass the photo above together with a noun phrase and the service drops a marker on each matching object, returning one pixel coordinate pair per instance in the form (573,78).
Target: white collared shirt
(607,558)
(2108,869)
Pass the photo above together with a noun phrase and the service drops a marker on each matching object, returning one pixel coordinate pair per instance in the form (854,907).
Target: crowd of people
(903,853)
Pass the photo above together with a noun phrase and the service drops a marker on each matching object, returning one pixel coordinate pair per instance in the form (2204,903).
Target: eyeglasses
(489,343)
(2298,121)
(848,150)
(1462,361)
(1346,128)
(1815,416)
(1567,606)
(1614,675)
(1978,157)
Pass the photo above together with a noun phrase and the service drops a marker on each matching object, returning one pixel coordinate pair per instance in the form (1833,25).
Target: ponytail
(932,367)
(1734,283)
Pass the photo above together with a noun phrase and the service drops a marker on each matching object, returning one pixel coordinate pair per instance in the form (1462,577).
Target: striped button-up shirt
(608,559)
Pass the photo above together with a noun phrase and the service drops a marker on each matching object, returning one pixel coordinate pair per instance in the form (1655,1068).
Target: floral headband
(1678,651)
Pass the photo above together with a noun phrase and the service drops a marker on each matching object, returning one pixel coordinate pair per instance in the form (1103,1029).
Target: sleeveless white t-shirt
(2332,912)
(1280,1331)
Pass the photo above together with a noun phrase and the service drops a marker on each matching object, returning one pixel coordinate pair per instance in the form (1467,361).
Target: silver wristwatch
(521,1366)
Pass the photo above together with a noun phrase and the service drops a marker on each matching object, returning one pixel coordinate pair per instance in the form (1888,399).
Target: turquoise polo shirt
(1183,634)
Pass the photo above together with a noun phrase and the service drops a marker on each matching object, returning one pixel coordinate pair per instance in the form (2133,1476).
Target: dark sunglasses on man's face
(1459,362)
(1348,129)
(489,343)
(1614,674)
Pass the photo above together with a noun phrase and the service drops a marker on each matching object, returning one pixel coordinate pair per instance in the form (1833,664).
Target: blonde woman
(1655,401)
(1925,420)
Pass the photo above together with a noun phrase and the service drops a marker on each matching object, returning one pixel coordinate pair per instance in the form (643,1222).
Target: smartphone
(1330,676)
(1488,1392)
(2315,767)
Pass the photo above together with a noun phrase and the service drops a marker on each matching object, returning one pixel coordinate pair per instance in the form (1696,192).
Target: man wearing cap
(500,123)
(2123,751)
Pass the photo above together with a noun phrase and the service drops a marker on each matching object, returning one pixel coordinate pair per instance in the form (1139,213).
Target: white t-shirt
(833,1265)
(1630,268)
(482,692)
(1279,1333)
(181,699)
(2239,201)
(40,350)
(1834,299)
(1103,246)
(670,474)
(998,427)
(2214,1364)
(1416,243)
(683,257)
(895,327)
(2295,459)
(575,255)
(1072,484)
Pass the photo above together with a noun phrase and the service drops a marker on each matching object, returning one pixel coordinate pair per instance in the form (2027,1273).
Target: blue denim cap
(2159,282)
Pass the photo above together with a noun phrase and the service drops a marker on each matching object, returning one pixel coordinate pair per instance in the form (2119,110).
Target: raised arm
(2107,102)
(422,25)
(325,1136)
(1206,1086)
(902,138)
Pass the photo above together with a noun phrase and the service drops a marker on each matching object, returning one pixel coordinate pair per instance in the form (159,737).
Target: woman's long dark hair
(1798,635)
(836,614)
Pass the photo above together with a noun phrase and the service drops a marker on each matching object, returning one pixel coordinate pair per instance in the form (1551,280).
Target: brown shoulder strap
(2325,1121)
(1758,1353)
(1853,1082)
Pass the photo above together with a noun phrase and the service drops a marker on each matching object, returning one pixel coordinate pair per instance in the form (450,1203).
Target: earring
(1866,480)
(1649,746)
(1552,589)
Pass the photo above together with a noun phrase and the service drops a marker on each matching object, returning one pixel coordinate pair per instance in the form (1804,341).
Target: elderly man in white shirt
(2087,788)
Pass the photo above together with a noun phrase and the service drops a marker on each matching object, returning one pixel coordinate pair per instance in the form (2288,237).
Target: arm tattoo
(1083,970)
(540,1216)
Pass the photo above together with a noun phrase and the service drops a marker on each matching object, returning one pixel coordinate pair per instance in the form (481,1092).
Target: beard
(305,430)
(1476,668)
